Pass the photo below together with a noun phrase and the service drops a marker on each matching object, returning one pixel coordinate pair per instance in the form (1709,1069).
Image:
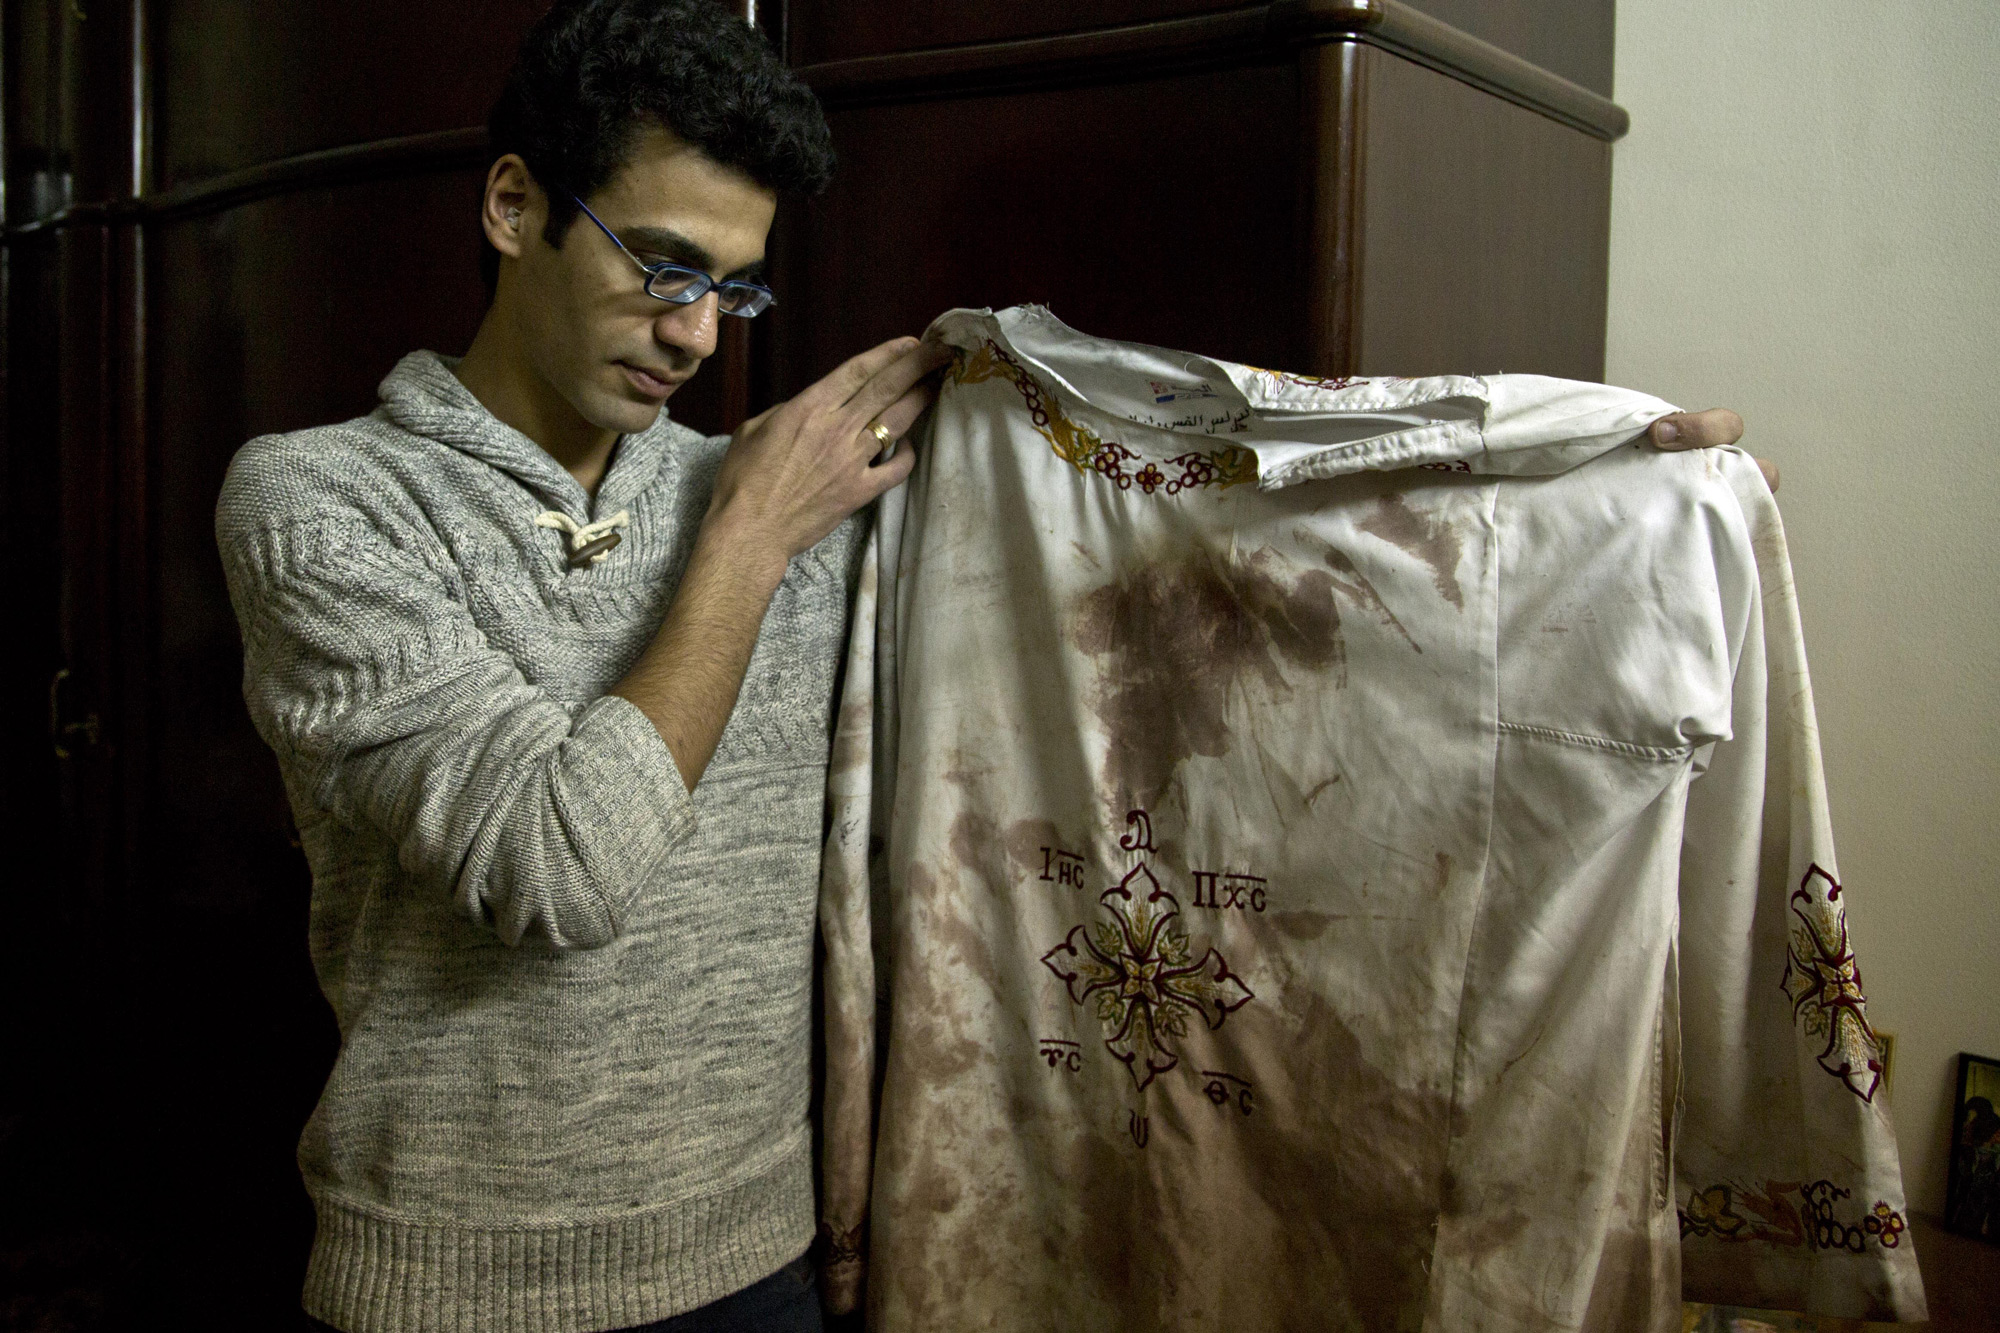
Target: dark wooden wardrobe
(1324,185)
(224,219)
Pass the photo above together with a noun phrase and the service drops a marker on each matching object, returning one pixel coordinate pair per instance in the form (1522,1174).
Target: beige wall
(1806,227)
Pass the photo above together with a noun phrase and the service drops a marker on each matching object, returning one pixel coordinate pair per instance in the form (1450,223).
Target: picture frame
(1972,1187)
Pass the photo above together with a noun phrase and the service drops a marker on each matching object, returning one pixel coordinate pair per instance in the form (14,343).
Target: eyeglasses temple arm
(613,235)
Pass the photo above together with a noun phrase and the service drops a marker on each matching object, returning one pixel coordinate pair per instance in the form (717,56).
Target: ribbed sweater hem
(374,1274)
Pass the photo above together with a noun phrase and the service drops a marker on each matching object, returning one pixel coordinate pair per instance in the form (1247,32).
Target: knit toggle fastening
(589,543)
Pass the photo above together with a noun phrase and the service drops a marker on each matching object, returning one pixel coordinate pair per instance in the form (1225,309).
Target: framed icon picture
(1972,1190)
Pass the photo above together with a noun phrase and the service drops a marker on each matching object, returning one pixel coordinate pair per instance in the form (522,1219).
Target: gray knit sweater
(574,1000)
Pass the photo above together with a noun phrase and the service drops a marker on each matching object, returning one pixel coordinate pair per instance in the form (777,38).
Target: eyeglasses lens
(740,298)
(673,285)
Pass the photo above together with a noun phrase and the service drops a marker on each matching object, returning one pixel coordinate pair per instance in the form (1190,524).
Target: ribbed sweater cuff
(371,1274)
(623,796)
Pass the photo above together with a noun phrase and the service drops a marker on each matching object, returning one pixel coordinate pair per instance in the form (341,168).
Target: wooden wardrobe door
(1333,186)
(1485,232)
(220,222)
(1159,210)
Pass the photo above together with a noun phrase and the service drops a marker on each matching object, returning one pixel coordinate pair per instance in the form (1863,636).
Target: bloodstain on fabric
(1353,584)
(1174,638)
(974,843)
(1287,1222)
(1301,925)
(1025,840)
(1631,1272)
(1424,536)
(949,1043)
(853,738)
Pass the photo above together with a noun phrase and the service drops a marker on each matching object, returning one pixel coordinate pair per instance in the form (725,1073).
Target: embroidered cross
(1824,983)
(1139,967)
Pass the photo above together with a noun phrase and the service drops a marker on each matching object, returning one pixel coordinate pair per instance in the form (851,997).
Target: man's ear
(514,207)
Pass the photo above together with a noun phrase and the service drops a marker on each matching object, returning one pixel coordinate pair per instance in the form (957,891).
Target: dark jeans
(785,1302)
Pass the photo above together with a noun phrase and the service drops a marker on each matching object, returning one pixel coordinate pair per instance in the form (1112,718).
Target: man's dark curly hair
(593,74)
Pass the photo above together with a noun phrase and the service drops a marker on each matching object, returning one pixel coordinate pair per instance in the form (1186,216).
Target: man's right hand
(794,472)
(790,476)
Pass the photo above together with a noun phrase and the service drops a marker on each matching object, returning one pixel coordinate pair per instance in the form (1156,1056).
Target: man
(550,681)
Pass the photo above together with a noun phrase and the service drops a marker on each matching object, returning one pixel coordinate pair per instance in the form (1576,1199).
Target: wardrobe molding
(1268,32)
(382,159)
(1416,36)
(1255,33)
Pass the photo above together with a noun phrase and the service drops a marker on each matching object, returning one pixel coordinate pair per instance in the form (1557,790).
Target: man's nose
(691,329)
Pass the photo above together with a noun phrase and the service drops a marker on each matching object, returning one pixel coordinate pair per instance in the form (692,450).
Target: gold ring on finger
(881,432)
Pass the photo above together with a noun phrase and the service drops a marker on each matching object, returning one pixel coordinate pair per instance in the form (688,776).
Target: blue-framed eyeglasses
(677,284)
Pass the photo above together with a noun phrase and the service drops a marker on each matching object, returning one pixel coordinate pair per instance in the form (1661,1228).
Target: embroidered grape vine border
(1730,1213)
(1084,450)
(1320,381)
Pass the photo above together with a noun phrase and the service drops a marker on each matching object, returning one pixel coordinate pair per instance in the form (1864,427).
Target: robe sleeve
(1787,1179)
(847,968)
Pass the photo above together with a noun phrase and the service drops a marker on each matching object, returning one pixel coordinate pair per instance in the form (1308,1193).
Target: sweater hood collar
(424,397)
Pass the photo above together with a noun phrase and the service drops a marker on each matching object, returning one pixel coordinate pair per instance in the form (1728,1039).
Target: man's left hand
(1705,430)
